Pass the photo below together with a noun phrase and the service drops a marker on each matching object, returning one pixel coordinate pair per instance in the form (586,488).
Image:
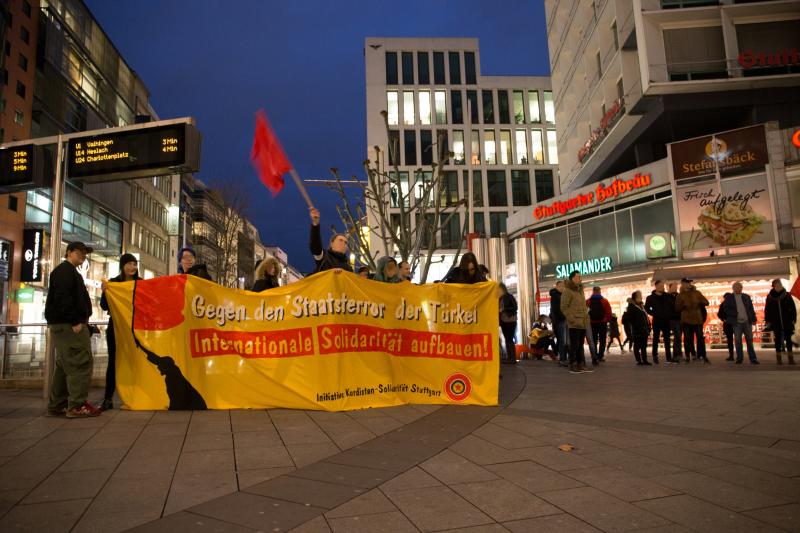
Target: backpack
(596,311)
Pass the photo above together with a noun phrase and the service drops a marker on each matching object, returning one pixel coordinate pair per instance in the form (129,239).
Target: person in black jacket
(508,321)
(187,264)
(128,271)
(640,327)
(660,306)
(336,254)
(613,333)
(268,274)
(675,325)
(559,322)
(67,311)
(781,315)
(468,271)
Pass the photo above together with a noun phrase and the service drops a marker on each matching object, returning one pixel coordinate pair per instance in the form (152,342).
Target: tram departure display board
(21,168)
(148,151)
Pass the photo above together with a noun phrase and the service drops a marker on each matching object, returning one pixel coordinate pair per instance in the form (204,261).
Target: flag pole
(301,187)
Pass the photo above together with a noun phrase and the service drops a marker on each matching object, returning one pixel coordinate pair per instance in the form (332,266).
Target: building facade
(500,130)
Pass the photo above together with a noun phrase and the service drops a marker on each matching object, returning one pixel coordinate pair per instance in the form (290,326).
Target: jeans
(675,328)
(560,329)
(783,339)
(599,334)
(746,329)
(661,327)
(576,337)
(509,328)
(693,337)
(589,337)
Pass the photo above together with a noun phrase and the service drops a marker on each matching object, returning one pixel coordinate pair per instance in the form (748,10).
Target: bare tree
(228,221)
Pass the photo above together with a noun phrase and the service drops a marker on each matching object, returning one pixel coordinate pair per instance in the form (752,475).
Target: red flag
(267,155)
(796,288)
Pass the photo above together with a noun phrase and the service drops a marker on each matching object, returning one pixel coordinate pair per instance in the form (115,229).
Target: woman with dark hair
(508,321)
(468,271)
(387,270)
(187,264)
(128,271)
(268,272)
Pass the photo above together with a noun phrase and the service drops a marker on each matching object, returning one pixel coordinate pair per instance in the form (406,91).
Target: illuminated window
(537,147)
(458,147)
(519,108)
(552,147)
(408,108)
(392,108)
(522,147)
(440,105)
(393,192)
(489,147)
(505,147)
(425,107)
(533,106)
(475,147)
(549,108)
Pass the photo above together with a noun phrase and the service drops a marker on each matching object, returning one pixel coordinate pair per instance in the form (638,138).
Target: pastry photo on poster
(736,212)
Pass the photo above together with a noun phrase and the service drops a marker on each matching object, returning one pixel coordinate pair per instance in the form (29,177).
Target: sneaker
(574,369)
(86,410)
(106,405)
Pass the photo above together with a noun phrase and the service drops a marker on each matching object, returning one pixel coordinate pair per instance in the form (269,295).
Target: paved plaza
(660,449)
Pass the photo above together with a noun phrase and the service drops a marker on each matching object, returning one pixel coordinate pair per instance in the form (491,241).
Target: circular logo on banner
(716,149)
(458,387)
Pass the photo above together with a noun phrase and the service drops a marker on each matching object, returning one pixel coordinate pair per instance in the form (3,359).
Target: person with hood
(599,315)
(691,304)
(268,274)
(640,327)
(559,322)
(613,333)
(508,321)
(187,264)
(660,306)
(737,310)
(573,305)
(675,326)
(468,271)
(781,314)
(336,254)
(128,271)
(387,270)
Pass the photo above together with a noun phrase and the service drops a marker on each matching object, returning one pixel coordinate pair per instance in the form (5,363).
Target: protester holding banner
(508,321)
(387,271)
(468,271)
(187,264)
(336,254)
(128,271)
(268,274)
(405,271)
(781,315)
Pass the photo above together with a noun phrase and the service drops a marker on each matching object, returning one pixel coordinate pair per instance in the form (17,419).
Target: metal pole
(55,249)
(470,218)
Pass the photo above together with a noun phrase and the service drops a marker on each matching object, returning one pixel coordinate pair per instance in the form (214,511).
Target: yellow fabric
(333,341)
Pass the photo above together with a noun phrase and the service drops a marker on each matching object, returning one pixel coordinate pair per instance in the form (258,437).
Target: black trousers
(693,337)
(111,369)
(509,328)
(661,327)
(576,337)
(599,336)
(640,348)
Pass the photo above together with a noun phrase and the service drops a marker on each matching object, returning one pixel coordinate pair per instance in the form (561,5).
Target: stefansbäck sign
(332,341)
(603,192)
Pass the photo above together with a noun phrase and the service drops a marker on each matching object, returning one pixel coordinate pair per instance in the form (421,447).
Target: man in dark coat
(336,254)
(781,315)
(737,310)
(660,306)
(559,322)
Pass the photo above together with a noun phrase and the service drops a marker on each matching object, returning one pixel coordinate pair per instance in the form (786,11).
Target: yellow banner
(333,341)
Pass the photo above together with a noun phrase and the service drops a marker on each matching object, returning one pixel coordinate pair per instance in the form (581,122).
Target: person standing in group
(640,327)
(363,272)
(626,327)
(613,333)
(573,305)
(508,321)
(187,264)
(737,310)
(691,304)
(727,330)
(405,271)
(336,254)
(781,314)
(599,315)
(128,271)
(559,322)
(468,271)
(67,310)
(660,306)
(387,270)
(268,275)
(675,326)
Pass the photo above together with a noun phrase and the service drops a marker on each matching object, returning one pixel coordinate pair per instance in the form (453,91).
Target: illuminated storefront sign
(31,255)
(780,58)
(598,265)
(796,138)
(602,193)
(733,152)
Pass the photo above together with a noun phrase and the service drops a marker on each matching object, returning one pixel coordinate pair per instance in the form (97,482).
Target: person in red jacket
(599,315)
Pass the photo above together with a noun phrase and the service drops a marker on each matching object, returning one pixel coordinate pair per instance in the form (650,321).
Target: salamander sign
(598,265)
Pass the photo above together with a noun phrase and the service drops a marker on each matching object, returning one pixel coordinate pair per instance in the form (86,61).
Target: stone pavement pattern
(659,449)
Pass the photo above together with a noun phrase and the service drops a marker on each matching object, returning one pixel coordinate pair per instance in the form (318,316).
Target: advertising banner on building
(32,241)
(733,152)
(333,341)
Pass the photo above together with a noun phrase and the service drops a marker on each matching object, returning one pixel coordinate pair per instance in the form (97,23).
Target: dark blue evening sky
(302,61)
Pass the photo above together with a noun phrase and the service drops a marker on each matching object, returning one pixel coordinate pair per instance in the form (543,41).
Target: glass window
(408,108)
(477,188)
(423,181)
(459,158)
(23,62)
(410,147)
(444,145)
(599,238)
(519,108)
(469,68)
(536,146)
(533,106)
(392,108)
(502,107)
(505,147)
(520,187)
(425,107)
(391,68)
(403,193)
(615,35)
(394,147)
(408,68)
(449,188)
(440,105)
(457,111)
(426,146)
(488,107)
(489,147)
(438,68)
(625,237)
(544,185)
(455,68)
(654,217)
(552,147)
(496,181)
(522,147)
(575,248)
(478,223)
(475,147)
(19,117)
(423,71)
(451,230)
(552,248)
(497,224)
(549,108)
(472,104)
(24,35)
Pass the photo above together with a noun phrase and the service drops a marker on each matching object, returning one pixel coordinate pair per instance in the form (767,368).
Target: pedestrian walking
(508,321)
(573,305)
(691,303)
(675,326)
(613,333)
(599,315)
(128,271)
(737,310)
(626,327)
(780,315)
(640,327)
(67,311)
(660,306)
(268,274)
(559,322)
(336,254)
